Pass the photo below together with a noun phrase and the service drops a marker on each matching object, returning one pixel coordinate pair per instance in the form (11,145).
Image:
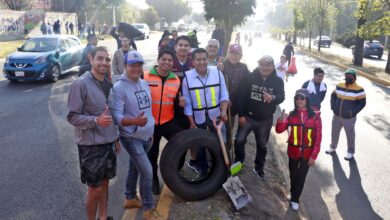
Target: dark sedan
(325,41)
(43,57)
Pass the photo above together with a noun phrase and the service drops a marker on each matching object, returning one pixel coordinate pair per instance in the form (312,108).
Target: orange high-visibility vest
(163,95)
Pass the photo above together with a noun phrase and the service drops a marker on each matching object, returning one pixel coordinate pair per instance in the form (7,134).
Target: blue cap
(134,56)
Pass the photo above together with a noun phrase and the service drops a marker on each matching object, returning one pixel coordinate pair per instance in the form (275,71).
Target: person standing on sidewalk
(133,114)
(259,94)
(95,132)
(85,64)
(281,68)
(316,88)
(347,100)
(164,86)
(118,61)
(304,141)
(206,98)
(288,51)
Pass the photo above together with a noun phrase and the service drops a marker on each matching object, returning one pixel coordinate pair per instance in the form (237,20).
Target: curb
(344,67)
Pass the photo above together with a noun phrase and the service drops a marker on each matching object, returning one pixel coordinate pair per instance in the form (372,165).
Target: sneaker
(349,156)
(192,164)
(294,206)
(259,174)
(156,186)
(132,203)
(330,150)
(148,214)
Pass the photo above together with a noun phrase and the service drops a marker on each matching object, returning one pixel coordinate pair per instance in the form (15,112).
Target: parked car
(144,28)
(325,41)
(371,48)
(44,57)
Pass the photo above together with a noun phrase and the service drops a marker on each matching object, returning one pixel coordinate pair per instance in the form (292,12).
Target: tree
(170,10)
(17,5)
(376,15)
(149,16)
(361,14)
(229,13)
(323,16)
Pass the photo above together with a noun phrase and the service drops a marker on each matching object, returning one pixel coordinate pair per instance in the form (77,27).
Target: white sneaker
(330,150)
(294,206)
(349,156)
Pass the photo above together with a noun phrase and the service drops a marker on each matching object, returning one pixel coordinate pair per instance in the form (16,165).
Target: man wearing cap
(347,100)
(234,72)
(258,96)
(132,110)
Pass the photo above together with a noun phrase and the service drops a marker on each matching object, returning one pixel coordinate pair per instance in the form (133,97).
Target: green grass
(7,47)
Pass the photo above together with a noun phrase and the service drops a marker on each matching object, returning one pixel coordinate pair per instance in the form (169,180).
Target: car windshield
(39,45)
(138,26)
(324,38)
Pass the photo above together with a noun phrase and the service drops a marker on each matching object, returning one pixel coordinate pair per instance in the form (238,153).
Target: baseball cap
(303,92)
(235,48)
(350,71)
(134,57)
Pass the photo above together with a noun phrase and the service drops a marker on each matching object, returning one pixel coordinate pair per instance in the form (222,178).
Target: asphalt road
(39,160)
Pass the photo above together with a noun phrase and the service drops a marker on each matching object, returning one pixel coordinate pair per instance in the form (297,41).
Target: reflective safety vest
(205,94)
(163,95)
(302,137)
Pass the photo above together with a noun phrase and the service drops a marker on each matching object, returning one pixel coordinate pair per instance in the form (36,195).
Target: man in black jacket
(259,94)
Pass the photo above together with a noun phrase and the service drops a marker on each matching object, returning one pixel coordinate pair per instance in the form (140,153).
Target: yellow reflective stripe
(213,101)
(309,136)
(197,93)
(295,133)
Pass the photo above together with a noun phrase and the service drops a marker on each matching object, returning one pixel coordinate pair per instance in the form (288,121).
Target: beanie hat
(303,92)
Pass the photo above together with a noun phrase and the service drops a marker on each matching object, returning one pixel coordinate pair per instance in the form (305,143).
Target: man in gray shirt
(95,132)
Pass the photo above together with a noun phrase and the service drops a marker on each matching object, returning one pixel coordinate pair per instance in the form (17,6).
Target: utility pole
(113,15)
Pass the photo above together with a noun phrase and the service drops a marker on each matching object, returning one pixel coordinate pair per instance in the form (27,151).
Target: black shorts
(97,163)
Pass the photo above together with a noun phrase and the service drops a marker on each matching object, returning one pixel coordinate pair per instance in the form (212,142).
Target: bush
(347,39)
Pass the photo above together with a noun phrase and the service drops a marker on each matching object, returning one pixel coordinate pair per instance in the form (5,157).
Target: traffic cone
(292,69)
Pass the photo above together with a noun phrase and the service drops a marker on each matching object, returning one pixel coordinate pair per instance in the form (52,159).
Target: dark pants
(167,130)
(262,130)
(298,171)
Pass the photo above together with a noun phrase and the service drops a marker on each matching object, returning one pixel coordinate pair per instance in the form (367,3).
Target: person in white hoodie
(133,115)
(317,88)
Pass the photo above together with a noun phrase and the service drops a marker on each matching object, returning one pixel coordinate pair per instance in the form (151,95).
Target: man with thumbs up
(95,132)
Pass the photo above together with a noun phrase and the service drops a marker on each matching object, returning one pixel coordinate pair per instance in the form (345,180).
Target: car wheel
(379,56)
(172,165)
(13,80)
(55,73)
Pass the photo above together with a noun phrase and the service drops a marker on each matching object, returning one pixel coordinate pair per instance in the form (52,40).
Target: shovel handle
(219,132)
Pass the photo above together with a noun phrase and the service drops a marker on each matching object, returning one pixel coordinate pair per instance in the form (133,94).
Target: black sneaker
(156,186)
(259,174)
(194,166)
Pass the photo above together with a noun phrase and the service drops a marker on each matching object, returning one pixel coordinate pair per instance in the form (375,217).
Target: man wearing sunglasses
(347,100)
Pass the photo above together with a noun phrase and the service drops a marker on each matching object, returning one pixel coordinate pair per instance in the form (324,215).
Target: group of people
(47,28)
(188,90)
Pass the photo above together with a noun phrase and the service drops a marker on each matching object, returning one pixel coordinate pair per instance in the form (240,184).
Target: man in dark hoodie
(258,96)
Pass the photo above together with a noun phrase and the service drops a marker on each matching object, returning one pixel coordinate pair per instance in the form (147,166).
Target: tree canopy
(170,10)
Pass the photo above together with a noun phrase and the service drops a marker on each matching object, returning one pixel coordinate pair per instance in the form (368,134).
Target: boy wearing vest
(164,86)
(259,94)
(206,98)
(304,141)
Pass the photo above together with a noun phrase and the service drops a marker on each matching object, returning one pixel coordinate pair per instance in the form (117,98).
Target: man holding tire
(206,98)
(259,94)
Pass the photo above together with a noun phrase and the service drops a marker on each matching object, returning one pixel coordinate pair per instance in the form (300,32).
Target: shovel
(233,186)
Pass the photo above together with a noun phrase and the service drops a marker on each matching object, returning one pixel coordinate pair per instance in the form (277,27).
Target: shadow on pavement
(380,123)
(351,193)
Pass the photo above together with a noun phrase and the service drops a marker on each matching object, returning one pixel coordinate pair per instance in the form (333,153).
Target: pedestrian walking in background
(44,28)
(71,28)
(85,64)
(164,86)
(132,110)
(119,35)
(317,89)
(206,99)
(80,29)
(304,141)
(118,61)
(288,51)
(49,28)
(281,68)
(95,132)
(234,72)
(172,42)
(258,96)
(347,100)
(67,27)
(238,38)
(219,34)
(193,39)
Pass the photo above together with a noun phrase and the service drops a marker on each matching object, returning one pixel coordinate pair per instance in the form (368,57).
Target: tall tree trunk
(228,28)
(358,55)
(387,70)
(310,34)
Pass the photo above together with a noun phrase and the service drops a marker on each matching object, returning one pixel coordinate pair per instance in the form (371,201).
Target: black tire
(379,57)
(171,162)
(55,73)
(13,80)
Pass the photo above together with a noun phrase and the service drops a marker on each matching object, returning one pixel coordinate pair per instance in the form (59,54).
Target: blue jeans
(139,164)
